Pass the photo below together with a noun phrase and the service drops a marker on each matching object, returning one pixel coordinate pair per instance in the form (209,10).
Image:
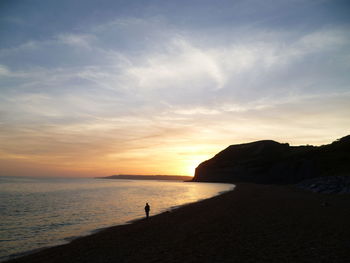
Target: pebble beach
(252,223)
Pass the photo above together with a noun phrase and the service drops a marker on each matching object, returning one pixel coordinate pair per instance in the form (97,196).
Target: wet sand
(253,223)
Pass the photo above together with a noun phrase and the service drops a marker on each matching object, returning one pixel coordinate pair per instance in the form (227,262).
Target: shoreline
(70,239)
(252,223)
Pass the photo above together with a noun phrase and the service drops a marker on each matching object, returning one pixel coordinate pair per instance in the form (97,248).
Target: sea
(43,212)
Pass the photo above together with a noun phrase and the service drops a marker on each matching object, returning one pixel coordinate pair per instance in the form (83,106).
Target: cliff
(272,162)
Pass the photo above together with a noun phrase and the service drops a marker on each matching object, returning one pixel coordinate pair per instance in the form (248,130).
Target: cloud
(76,40)
(4,71)
(98,98)
(182,74)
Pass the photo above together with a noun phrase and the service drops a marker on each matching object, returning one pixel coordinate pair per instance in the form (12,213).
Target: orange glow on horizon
(150,162)
(164,155)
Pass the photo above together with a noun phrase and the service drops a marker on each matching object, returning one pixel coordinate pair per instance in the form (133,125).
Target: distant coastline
(149,177)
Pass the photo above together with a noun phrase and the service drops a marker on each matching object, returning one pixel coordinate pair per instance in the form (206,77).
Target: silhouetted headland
(271,162)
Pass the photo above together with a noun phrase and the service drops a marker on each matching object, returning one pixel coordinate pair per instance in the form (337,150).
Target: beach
(252,223)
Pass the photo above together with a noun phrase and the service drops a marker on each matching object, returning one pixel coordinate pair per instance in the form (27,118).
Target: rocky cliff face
(272,162)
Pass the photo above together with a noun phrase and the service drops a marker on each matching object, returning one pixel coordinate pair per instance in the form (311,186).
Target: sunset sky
(95,88)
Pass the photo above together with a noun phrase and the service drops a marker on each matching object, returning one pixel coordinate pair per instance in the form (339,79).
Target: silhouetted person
(147,208)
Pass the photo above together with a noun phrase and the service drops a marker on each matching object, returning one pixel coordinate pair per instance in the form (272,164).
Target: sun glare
(192,167)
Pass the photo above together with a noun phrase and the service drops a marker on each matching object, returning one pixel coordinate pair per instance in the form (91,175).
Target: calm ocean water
(41,212)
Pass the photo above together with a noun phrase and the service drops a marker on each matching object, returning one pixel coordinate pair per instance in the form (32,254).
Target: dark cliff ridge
(272,162)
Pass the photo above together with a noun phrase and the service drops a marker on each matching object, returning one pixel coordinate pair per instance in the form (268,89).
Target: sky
(95,88)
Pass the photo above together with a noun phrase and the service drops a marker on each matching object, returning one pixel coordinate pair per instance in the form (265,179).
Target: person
(147,208)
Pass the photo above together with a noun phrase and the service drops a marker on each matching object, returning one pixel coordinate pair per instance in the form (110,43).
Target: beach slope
(253,223)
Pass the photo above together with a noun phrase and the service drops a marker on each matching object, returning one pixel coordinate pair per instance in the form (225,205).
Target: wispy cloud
(134,92)
(76,40)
